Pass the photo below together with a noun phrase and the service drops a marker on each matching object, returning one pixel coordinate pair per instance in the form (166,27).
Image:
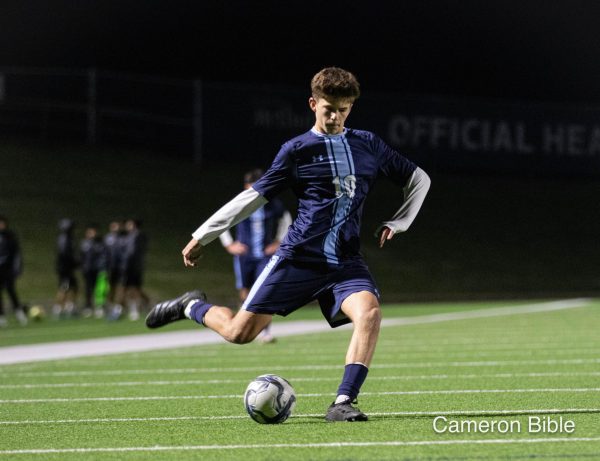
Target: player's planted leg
(173,309)
(363,309)
(344,411)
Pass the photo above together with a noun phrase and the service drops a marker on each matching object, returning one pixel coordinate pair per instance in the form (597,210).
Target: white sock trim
(188,309)
(341,398)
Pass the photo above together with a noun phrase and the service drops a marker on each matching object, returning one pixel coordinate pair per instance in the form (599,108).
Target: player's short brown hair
(335,82)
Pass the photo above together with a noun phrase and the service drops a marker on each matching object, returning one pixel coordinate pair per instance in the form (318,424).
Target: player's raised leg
(240,328)
(363,309)
(173,309)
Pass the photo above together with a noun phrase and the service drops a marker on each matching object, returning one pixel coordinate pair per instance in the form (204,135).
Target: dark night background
(520,50)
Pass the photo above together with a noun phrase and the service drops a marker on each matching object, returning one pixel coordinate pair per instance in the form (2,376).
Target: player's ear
(312,102)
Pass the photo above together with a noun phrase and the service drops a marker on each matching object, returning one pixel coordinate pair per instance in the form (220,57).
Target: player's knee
(240,335)
(374,315)
(370,317)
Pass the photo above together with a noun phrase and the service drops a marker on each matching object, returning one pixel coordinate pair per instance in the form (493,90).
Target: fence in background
(102,107)
(207,120)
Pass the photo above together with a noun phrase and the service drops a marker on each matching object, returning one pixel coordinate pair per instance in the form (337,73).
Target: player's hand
(192,253)
(237,248)
(271,248)
(386,234)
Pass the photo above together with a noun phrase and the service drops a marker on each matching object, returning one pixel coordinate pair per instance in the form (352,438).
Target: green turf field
(186,403)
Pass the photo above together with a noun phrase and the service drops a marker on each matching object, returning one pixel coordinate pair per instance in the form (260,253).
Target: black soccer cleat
(172,310)
(344,411)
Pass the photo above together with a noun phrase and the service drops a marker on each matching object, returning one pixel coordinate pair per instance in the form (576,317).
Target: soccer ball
(37,313)
(269,399)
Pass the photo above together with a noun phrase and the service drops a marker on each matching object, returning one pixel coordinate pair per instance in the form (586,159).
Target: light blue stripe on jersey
(261,278)
(342,170)
(237,269)
(257,232)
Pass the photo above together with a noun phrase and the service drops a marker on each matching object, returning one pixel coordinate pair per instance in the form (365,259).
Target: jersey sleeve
(393,165)
(279,176)
(233,212)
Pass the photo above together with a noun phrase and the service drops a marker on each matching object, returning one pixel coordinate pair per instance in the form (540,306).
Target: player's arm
(282,227)
(415,192)
(233,247)
(236,210)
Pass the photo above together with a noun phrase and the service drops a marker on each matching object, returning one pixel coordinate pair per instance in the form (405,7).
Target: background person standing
(11,267)
(93,262)
(257,239)
(134,259)
(66,264)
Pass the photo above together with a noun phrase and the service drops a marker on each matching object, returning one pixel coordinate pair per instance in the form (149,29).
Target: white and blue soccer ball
(269,399)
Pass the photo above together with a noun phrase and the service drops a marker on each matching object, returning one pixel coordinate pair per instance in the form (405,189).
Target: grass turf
(186,403)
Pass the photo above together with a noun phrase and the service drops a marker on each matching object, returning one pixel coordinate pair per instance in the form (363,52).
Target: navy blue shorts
(247,270)
(285,286)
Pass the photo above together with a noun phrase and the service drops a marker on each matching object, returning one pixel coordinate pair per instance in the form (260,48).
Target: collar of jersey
(323,135)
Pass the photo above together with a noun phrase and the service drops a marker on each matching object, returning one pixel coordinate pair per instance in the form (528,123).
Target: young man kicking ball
(331,170)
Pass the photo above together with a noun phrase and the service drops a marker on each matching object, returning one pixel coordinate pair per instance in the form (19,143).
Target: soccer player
(67,262)
(115,242)
(11,266)
(94,259)
(132,270)
(330,169)
(257,239)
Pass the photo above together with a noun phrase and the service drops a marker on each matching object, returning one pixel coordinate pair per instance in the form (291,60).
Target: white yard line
(491,312)
(240,396)
(287,368)
(194,382)
(474,413)
(166,340)
(398,352)
(391,443)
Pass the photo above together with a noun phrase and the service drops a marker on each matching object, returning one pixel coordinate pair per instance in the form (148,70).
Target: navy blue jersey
(331,176)
(260,228)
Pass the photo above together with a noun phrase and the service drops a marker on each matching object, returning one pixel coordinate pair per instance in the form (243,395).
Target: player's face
(330,114)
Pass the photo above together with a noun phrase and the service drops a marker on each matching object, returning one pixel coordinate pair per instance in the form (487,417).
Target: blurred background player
(257,239)
(115,241)
(66,264)
(135,246)
(11,266)
(93,262)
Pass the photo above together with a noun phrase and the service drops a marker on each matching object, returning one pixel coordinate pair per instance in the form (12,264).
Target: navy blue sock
(354,377)
(199,310)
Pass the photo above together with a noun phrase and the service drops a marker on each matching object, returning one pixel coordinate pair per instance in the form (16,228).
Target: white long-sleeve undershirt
(415,192)
(234,211)
(282,227)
